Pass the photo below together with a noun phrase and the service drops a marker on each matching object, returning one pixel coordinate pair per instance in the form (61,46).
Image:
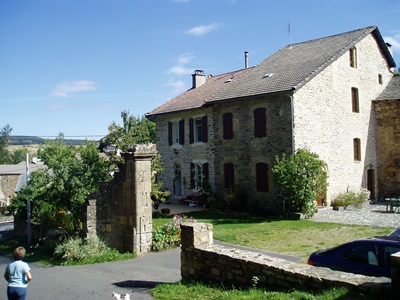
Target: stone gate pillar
(138,236)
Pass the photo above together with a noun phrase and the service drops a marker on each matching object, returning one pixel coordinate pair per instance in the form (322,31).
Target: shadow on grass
(220,217)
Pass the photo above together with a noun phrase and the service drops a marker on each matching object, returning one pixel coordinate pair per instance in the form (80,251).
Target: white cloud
(67,88)
(203,29)
(178,86)
(394,41)
(180,69)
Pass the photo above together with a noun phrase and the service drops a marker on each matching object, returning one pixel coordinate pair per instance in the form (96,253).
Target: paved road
(99,281)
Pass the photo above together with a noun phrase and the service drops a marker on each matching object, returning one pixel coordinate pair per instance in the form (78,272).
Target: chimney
(198,78)
(246,59)
(389,46)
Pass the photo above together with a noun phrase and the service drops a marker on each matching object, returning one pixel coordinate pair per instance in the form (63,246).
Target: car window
(364,254)
(389,250)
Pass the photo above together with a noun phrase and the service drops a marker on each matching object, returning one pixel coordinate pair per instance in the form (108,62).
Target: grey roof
(20,168)
(392,90)
(286,70)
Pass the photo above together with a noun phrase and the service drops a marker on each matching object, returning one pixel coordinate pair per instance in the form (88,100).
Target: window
(354,100)
(198,175)
(363,254)
(353,57)
(227,124)
(260,122)
(229,175)
(357,149)
(262,177)
(176,132)
(380,79)
(198,130)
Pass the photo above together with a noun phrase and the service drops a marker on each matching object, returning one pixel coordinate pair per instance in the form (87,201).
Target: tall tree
(73,173)
(5,133)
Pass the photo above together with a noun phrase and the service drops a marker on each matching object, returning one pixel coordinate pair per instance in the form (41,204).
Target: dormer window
(353,57)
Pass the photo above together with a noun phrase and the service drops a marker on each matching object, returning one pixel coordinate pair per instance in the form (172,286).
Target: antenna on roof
(290,37)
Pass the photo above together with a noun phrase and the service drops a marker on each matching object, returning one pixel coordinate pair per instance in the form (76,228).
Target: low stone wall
(203,261)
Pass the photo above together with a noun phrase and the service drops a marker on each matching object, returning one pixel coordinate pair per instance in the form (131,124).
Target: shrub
(356,198)
(77,249)
(300,180)
(169,235)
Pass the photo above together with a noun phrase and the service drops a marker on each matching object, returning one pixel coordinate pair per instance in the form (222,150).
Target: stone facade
(121,212)
(7,188)
(388,132)
(200,260)
(324,121)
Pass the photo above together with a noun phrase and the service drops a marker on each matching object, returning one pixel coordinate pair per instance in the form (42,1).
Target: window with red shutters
(191,131)
(182,132)
(229,175)
(260,122)
(170,133)
(262,177)
(227,124)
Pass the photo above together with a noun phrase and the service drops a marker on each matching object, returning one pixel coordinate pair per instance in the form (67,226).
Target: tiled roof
(392,90)
(288,69)
(20,168)
(197,97)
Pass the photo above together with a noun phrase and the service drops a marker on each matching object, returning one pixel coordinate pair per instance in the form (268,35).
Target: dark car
(370,256)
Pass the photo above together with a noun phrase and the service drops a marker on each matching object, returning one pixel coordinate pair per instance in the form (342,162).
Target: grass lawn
(299,238)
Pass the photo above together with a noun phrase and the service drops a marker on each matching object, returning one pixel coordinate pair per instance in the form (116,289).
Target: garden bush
(77,249)
(356,198)
(169,235)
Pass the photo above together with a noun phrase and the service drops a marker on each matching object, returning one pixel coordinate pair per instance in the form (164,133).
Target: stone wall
(388,131)
(203,261)
(121,212)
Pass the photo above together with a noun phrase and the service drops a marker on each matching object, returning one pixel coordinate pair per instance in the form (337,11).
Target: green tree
(135,130)
(300,179)
(18,155)
(73,173)
(5,133)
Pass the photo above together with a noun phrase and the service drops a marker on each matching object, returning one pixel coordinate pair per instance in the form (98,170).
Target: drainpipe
(292,121)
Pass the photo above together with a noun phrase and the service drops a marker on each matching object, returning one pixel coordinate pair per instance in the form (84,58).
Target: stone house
(12,177)
(317,95)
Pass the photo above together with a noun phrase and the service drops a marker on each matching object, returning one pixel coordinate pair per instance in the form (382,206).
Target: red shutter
(229,174)
(262,177)
(170,133)
(260,129)
(192,176)
(206,172)
(227,124)
(182,132)
(191,131)
(204,128)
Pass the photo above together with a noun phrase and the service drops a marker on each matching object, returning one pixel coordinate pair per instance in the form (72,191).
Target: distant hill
(35,140)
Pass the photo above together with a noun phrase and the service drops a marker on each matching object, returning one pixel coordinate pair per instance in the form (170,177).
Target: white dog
(122,297)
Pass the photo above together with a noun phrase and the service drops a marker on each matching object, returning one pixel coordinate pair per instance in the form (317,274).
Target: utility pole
(28,204)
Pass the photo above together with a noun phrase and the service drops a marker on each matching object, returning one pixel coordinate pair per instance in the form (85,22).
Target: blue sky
(72,66)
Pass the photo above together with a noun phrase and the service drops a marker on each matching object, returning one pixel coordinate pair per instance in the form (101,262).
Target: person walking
(18,275)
